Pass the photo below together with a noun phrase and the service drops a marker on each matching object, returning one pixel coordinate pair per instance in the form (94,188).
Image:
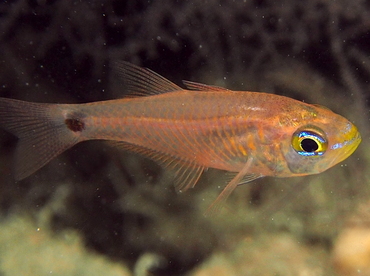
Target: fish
(248,134)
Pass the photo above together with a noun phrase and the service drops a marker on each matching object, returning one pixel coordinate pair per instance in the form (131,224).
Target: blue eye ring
(309,141)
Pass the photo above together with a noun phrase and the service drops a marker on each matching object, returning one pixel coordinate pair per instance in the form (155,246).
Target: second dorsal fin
(202,87)
(142,81)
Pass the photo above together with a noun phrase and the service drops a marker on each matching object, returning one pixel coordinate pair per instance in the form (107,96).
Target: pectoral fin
(240,178)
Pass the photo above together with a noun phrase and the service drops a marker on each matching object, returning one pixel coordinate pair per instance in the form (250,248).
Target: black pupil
(309,145)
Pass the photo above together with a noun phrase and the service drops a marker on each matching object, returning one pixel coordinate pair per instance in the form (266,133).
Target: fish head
(319,141)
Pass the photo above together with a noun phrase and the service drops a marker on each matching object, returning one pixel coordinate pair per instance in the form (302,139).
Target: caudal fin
(42,132)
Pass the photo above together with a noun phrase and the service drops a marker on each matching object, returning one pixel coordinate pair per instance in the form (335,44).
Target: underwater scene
(192,138)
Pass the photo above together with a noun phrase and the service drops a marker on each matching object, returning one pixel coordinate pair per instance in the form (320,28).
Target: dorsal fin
(142,81)
(202,87)
(186,174)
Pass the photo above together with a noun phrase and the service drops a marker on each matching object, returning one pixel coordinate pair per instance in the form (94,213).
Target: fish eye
(309,142)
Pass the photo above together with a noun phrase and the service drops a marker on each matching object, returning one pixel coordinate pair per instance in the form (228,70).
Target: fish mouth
(353,143)
(346,148)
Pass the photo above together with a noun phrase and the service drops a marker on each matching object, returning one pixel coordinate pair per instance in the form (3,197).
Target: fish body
(187,130)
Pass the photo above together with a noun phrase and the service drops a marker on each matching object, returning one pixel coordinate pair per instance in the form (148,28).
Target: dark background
(122,205)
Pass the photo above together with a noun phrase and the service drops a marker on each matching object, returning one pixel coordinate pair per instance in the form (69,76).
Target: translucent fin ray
(230,187)
(202,87)
(142,81)
(186,174)
(42,136)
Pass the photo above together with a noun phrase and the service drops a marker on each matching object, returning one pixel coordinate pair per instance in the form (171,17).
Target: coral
(27,249)
(351,251)
(276,254)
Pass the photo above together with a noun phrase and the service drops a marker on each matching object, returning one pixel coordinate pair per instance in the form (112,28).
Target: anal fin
(186,174)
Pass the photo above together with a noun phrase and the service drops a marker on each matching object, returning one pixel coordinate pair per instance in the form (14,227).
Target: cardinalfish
(249,134)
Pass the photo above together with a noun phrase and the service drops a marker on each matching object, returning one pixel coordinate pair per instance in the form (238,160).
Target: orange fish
(249,133)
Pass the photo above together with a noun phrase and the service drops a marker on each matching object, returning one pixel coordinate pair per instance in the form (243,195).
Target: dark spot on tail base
(75,124)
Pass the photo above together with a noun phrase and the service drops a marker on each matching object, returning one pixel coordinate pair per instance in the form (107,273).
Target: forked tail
(42,131)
